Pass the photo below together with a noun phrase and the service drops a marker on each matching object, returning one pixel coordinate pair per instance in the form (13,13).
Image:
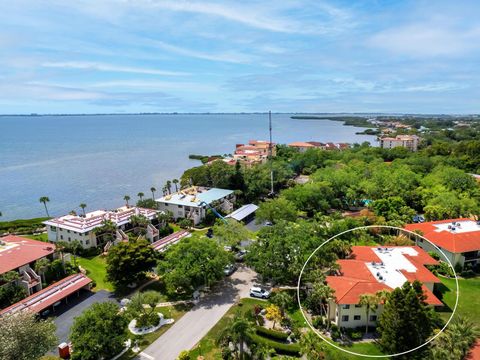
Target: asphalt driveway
(76,305)
(195,324)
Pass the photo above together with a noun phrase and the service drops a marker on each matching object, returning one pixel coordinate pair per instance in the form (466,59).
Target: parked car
(258,292)
(240,256)
(267,223)
(229,269)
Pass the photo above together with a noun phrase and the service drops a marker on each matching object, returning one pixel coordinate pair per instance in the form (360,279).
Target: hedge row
(280,348)
(271,334)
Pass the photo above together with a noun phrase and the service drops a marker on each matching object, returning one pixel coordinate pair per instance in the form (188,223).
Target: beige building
(407,141)
(256,151)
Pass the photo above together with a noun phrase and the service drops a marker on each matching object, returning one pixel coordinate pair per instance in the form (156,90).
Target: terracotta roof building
(458,239)
(370,269)
(19,254)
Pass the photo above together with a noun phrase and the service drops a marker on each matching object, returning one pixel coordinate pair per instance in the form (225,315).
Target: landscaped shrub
(467,273)
(335,332)
(280,348)
(271,334)
(354,334)
(318,323)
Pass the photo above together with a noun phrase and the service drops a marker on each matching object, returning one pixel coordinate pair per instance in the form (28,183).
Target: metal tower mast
(270,152)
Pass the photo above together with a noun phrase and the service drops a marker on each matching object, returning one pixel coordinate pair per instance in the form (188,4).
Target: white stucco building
(407,141)
(79,227)
(191,203)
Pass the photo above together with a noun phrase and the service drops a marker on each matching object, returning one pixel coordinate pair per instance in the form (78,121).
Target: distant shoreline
(304,116)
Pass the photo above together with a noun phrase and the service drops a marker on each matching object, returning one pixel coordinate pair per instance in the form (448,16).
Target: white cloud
(232,57)
(427,39)
(86,65)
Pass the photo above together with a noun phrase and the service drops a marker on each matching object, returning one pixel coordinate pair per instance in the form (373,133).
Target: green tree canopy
(99,332)
(192,262)
(406,321)
(230,233)
(274,210)
(23,337)
(127,262)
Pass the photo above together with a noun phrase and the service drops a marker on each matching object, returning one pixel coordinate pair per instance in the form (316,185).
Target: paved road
(195,324)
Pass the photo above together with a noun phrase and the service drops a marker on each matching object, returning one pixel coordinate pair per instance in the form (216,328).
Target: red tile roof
(19,251)
(301,144)
(50,295)
(454,242)
(356,279)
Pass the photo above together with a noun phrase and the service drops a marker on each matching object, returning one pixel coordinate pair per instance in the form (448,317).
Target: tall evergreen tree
(406,321)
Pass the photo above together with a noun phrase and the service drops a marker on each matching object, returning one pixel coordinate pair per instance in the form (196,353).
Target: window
(358,306)
(69,239)
(68,231)
(346,307)
(165,204)
(357,317)
(86,233)
(180,206)
(345,318)
(87,242)
(53,228)
(373,317)
(61,237)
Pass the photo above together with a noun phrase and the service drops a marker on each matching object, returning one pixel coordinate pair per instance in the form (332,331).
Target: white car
(258,292)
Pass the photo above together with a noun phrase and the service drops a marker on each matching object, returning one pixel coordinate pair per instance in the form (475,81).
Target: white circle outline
(365,355)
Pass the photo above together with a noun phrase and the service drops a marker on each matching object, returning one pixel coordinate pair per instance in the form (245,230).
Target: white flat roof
(243,212)
(393,260)
(194,196)
(94,219)
(457,227)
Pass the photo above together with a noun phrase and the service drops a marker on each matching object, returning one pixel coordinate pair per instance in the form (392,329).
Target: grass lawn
(96,270)
(170,312)
(39,237)
(468,301)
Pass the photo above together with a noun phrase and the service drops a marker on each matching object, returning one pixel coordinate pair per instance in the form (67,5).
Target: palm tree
(311,346)
(237,331)
(106,232)
(44,200)
(370,301)
(41,266)
(60,247)
(74,247)
(141,195)
(83,206)
(324,294)
(152,189)
(139,223)
(382,296)
(126,198)
(455,342)
(168,185)
(175,182)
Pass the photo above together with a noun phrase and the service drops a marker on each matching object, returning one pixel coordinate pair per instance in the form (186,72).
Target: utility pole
(270,152)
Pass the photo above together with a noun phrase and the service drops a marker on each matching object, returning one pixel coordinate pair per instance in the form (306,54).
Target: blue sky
(102,56)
